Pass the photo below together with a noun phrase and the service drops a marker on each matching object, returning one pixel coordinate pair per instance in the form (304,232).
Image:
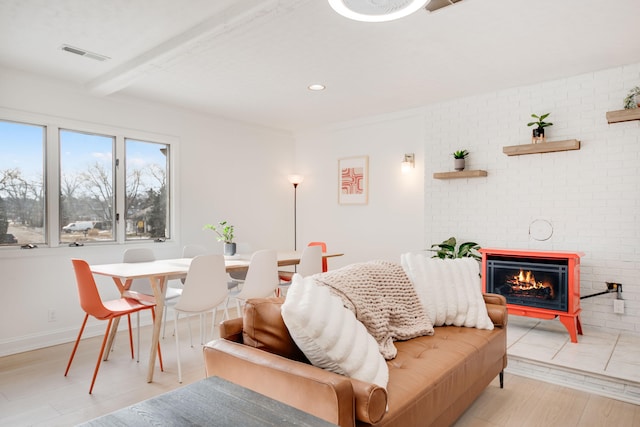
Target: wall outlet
(51,315)
(618,306)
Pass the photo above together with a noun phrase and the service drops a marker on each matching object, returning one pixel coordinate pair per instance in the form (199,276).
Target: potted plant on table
(224,233)
(458,159)
(538,132)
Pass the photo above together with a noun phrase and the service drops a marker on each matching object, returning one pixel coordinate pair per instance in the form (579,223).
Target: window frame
(52,173)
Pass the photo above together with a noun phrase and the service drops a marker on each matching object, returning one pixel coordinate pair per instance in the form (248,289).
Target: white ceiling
(252,60)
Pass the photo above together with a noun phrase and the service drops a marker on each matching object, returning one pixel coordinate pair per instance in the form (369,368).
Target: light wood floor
(34,391)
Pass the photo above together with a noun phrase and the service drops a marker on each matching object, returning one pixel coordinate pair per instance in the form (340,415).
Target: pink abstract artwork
(353,181)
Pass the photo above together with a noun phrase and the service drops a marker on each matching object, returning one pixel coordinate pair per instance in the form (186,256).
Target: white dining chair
(204,290)
(310,264)
(193,250)
(261,280)
(188,251)
(141,290)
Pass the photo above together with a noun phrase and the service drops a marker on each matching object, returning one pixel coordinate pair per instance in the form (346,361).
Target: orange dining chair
(93,305)
(323,245)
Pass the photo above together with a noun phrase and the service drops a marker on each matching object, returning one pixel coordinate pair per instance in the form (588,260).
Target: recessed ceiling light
(83,52)
(376,10)
(316,87)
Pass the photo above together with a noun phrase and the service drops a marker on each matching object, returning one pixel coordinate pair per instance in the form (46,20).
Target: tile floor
(602,362)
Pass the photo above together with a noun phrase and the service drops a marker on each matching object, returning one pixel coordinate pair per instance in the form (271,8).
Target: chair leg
(131,337)
(138,335)
(226,306)
(203,329)
(175,325)
(104,343)
(213,322)
(189,324)
(75,347)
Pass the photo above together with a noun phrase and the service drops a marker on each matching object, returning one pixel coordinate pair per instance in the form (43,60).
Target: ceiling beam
(190,42)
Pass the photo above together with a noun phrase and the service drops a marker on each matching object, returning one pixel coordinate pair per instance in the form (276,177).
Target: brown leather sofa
(432,380)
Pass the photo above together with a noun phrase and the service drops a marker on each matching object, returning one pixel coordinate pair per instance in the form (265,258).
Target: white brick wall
(591,196)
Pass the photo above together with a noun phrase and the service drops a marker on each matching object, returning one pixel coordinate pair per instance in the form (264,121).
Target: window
(86,187)
(22,184)
(147,196)
(81,183)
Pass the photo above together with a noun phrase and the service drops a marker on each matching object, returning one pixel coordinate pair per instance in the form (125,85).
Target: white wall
(591,196)
(391,222)
(224,170)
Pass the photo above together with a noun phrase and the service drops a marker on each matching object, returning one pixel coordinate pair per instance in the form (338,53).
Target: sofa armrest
(231,329)
(497,309)
(371,401)
(322,393)
(494,299)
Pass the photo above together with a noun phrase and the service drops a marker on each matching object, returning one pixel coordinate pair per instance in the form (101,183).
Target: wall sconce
(408,163)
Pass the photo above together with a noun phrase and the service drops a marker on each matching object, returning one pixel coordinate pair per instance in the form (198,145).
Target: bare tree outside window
(22,197)
(86,187)
(147,197)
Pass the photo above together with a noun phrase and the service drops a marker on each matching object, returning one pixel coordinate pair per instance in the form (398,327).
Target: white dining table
(159,272)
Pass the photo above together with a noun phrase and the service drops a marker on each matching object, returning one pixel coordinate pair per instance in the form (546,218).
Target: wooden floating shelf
(623,115)
(460,174)
(542,147)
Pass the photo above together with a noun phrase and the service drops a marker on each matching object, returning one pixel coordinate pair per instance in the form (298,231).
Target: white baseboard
(59,336)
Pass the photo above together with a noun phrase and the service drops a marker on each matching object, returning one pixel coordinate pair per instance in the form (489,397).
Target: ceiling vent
(83,52)
(439,4)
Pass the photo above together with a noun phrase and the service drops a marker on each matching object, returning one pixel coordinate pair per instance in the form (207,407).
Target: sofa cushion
(264,328)
(330,335)
(449,289)
(433,379)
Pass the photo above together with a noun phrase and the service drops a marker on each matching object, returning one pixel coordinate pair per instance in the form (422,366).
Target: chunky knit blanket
(382,298)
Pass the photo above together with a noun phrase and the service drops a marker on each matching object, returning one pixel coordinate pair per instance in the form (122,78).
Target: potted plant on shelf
(225,234)
(538,132)
(632,100)
(458,159)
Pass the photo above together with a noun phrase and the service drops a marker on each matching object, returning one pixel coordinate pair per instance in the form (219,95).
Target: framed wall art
(353,180)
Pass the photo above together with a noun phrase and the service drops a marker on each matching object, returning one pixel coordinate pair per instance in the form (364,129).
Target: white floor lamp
(295,179)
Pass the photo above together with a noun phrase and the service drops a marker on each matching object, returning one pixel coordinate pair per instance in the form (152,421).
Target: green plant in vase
(459,159)
(224,234)
(632,100)
(538,132)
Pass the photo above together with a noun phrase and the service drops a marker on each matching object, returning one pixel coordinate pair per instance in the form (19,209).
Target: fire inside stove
(537,283)
(525,284)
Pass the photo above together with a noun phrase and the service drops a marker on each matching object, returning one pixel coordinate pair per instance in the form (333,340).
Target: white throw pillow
(449,289)
(330,335)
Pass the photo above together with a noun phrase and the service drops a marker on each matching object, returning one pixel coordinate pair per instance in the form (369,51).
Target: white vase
(458,164)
